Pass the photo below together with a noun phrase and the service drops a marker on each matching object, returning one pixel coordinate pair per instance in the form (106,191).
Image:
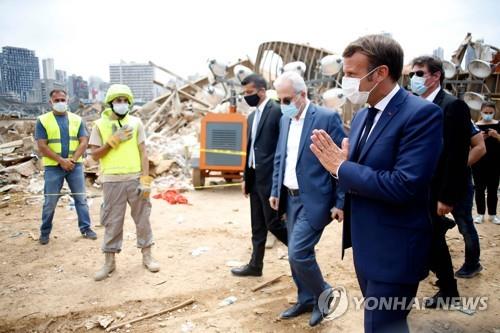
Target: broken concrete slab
(26,169)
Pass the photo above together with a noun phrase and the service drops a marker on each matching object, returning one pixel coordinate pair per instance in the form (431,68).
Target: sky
(84,37)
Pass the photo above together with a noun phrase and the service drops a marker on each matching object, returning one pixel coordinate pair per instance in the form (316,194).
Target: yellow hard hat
(117,90)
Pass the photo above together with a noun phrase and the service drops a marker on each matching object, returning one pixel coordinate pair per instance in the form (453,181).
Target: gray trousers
(116,197)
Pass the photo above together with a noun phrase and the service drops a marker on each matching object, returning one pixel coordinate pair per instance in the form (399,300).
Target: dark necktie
(370,118)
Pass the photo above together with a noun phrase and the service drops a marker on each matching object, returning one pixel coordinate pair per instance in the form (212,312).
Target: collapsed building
(197,129)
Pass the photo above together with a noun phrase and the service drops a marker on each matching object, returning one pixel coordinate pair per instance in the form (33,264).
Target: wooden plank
(160,109)
(159,313)
(266,283)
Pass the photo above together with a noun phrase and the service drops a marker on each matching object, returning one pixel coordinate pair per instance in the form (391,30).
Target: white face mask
(60,106)
(121,108)
(350,87)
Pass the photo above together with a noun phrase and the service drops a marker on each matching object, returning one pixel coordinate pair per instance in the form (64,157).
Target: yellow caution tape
(223,151)
(218,185)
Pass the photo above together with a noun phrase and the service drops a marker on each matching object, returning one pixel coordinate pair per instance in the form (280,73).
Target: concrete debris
(14,129)
(199,251)
(25,169)
(96,321)
(35,186)
(228,301)
(187,327)
(170,156)
(120,315)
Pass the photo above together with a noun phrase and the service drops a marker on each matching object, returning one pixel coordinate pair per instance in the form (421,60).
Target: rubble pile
(18,166)
(12,129)
(173,124)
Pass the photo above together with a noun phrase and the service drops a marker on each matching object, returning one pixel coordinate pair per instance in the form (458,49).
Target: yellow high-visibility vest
(49,122)
(126,157)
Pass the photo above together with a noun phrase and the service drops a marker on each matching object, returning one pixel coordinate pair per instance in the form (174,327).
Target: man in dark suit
(386,171)
(263,131)
(304,190)
(449,184)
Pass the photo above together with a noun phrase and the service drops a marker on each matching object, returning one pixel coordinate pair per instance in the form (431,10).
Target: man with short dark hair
(262,134)
(386,169)
(62,139)
(449,183)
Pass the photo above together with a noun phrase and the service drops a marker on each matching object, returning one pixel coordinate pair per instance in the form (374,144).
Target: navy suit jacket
(317,187)
(387,220)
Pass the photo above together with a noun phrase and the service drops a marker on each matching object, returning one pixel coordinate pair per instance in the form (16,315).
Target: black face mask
(252,100)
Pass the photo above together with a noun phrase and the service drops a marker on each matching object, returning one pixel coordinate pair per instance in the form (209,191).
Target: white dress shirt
(292,150)
(432,96)
(256,119)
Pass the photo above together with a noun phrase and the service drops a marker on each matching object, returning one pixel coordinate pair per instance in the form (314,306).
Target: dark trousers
(302,239)
(264,219)
(440,259)
(380,318)
(486,180)
(462,213)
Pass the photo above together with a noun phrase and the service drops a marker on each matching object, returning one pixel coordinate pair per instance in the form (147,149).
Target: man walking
(304,190)
(263,132)
(386,169)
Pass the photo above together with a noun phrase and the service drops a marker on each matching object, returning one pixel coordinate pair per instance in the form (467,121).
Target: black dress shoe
(296,310)
(320,312)
(442,300)
(44,240)
(316,317)
(467,271)
(246,270)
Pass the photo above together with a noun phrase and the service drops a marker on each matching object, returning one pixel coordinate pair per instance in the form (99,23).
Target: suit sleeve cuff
(336,174)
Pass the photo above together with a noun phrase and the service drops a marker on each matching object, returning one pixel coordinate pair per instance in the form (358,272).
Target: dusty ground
(50,288)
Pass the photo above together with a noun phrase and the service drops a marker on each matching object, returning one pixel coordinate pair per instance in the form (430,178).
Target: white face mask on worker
(121,108)
(60,106)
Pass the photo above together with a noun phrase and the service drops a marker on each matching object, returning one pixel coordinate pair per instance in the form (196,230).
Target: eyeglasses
(286,100)
(417,73)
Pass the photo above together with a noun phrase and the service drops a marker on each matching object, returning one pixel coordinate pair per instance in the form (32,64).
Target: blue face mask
(487,117)
(417,85)
(290,110)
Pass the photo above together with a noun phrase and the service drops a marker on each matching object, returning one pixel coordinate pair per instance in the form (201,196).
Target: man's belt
(292,192)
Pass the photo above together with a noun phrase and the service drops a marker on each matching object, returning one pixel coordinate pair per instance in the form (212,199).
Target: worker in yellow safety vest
(62,140)
(117,141)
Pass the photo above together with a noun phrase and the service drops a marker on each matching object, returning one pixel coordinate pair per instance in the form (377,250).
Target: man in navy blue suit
(386,169)
(304,190)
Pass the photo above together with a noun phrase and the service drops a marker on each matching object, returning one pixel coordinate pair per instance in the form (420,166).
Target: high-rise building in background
(78,87)
(438,53)
(19,69)
(139,77)
(49,72)
(61,76)
(97,89)
(42,88)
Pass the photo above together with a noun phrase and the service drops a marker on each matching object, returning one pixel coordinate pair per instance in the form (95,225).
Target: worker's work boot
(107,268)
(148,260)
